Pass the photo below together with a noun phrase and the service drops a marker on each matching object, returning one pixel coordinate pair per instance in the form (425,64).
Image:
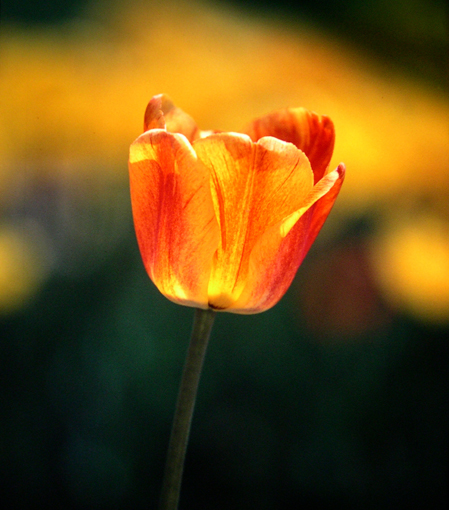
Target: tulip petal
(321,209)
(154,114)
(161,113)
(173,215)
(312,133)
(277,256)
(254,187)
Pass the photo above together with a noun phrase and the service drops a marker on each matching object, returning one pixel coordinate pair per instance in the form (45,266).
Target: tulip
(224,220)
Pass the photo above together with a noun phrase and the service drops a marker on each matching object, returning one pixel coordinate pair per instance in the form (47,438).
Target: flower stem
(202,326)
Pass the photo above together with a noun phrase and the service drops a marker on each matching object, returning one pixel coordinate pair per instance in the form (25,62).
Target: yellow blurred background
(74,97)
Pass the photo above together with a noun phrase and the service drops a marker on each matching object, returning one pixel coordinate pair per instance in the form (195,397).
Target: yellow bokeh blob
(411,261)
(21,268)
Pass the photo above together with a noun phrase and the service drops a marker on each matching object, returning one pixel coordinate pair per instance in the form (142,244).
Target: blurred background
(335,398)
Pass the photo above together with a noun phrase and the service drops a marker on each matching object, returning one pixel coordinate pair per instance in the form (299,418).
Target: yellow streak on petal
(276,258)
(254,186)
(319,190)
(290,222)
(173,215)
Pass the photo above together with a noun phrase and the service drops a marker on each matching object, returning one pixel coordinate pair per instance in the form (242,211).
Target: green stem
(171,485)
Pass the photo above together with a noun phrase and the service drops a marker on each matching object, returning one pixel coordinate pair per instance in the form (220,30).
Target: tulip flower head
(224,220)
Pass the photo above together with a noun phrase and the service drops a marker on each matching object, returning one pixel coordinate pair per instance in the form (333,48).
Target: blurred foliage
(32,13)
(338,397)
(412,34)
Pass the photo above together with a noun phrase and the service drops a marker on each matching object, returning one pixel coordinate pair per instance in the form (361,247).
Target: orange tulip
(224,220)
